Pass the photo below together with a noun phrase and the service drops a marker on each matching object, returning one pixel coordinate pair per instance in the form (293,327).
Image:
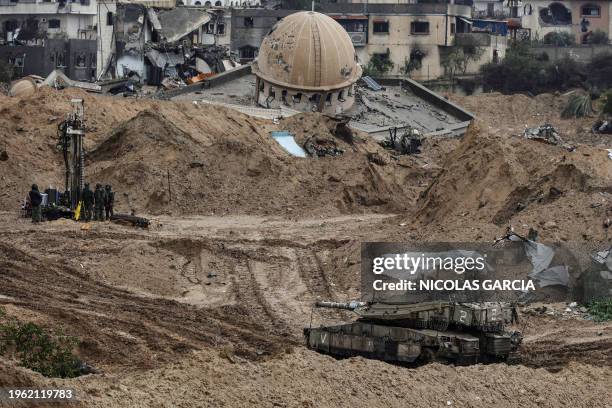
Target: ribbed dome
(308,51)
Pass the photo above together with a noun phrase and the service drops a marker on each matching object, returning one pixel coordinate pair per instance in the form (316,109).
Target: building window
(16,61)
(556,14)
(315,98)
(81,61)
(221,29)
(381,27)
(453,28)
(271,92)
(341,96)
(109,18)
(297,98)
(248,22)
(217,3)
(354,26)
(54,23)
(419,27)
(58,59)
(247,52)
(209,28)
(490,9)
(591,10)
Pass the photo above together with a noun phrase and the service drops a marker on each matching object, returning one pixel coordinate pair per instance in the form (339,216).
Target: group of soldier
(98,204)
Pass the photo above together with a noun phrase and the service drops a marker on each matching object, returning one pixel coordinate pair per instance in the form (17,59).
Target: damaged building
(37,37)
(539,19)
(308,63)
(181,44)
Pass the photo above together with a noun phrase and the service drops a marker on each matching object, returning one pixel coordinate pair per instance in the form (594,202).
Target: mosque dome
(308,51)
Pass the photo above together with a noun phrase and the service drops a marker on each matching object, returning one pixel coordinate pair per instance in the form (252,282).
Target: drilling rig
(70,141)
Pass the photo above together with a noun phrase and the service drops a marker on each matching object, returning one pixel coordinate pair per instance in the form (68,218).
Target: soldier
(35,201)
(99,198)
(109,202)
(88,201)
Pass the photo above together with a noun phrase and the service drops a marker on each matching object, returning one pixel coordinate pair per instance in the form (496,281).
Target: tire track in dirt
(54,289)
(554,354)
(313,275)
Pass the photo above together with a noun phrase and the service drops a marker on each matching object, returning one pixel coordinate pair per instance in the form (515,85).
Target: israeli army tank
(460,333)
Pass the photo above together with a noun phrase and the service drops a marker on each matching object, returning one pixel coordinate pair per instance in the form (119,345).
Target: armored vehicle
(462,333)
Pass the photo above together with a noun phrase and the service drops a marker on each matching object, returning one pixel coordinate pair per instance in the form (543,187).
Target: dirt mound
(29,136)
(183,158)
(513,113)
(496,179)
(161,165)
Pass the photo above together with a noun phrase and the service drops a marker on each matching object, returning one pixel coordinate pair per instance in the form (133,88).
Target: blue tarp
(491,26)
(287,142)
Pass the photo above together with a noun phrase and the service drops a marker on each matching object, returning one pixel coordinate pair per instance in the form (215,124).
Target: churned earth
(206,307)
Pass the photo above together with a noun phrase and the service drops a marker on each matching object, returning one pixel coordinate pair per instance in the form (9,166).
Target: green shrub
(39,351)
(415,62)
(578,106)
(607,103)
(379,65)
(601,310)
(559,39)
(599,71)
(517,72)
(522,71)
(564,73)
(598,37)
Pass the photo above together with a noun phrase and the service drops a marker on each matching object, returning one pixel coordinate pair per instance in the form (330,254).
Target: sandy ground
(207,307)
(165,332)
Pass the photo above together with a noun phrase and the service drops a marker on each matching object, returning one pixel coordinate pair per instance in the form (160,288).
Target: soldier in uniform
(99,198)
(109,202)
(88,201)
(35,202)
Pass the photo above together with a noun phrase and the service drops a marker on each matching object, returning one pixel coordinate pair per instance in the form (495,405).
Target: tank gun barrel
(352,305)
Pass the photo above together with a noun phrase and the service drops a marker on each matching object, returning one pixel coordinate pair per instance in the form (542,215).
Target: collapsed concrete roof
(164,59)
(177,23)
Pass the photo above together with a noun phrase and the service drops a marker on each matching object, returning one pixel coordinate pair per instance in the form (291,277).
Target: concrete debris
(58,80)
(177,23)
(546,134)
(129,219)
(408,143)
(565,311)
(186,65)
(603,126)
(320,148)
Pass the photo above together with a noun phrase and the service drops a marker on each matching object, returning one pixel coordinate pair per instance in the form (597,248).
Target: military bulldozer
(418,333)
